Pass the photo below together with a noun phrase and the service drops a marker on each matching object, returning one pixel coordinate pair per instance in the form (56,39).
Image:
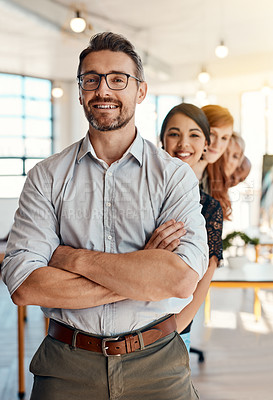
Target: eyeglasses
(114,80)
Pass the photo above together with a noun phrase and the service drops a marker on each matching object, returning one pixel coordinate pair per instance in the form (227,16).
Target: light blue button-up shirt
(74,198)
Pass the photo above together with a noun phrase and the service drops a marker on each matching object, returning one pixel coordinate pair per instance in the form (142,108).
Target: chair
(258,248)
(200,353)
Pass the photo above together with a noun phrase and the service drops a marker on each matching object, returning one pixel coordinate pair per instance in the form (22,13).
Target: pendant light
(203,76)
(78,24)
(221,50)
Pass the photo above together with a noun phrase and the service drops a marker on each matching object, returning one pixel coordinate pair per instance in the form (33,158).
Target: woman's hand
(166,236)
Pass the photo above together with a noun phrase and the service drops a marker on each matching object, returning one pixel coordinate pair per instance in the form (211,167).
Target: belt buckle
(104,347)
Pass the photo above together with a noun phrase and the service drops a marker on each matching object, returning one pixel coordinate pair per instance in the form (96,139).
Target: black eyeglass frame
(105,77)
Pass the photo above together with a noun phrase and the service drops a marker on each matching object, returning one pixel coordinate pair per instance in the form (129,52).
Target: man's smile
(105,106)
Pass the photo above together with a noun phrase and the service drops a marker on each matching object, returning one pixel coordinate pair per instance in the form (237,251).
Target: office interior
(177,41)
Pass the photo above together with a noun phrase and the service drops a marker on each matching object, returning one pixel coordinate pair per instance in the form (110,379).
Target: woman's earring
(204,151)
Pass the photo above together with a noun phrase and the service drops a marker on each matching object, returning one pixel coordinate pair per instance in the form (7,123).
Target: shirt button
(110,173)
(109,237)
(108,204)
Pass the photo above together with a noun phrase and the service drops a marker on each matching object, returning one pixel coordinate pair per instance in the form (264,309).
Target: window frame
(24,117)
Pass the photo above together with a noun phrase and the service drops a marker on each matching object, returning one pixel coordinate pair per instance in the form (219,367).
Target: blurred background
(197,51)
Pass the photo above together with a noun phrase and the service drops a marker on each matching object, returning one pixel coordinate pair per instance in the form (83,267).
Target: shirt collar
(136,148)
(85,148)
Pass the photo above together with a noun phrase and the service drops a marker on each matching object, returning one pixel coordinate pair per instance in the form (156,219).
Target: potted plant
(237,242)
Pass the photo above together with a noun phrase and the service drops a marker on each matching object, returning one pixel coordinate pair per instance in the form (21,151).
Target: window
(257,123)
(150,115)
(25,128)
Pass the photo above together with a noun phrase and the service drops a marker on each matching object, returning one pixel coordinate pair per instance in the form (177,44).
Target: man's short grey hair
(113,42)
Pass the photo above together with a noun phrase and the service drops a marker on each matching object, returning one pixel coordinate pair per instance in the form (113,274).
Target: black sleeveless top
(213,214)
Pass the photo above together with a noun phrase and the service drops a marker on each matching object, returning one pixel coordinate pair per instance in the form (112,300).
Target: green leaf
(228,240)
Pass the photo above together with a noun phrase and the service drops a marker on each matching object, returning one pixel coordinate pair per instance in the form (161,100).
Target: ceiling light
(221,50)
(78,24)
(203,76)
(57,92)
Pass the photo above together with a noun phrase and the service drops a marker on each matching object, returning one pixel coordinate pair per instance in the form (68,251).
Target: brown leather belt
(112,346)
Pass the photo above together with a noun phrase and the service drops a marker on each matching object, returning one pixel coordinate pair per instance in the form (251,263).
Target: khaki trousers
(158,372)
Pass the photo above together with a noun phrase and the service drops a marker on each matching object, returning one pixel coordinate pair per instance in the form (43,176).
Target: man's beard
(119,122)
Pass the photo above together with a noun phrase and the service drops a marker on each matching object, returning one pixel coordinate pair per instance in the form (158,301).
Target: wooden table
(251,275)
(22,312)
(3,245)
(2,255)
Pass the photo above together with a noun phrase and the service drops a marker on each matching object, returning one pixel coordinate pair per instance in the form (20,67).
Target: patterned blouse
(213,214)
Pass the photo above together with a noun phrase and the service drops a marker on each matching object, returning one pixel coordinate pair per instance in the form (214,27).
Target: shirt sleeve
(182,202)
(35,232)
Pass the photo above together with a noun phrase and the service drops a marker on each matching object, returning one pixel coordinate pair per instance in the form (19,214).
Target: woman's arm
(213,215)
(187,314)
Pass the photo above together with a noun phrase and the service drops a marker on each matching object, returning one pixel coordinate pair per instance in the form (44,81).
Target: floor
(238,351)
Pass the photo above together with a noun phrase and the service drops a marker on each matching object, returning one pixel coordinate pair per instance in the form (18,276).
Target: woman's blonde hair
(236,138)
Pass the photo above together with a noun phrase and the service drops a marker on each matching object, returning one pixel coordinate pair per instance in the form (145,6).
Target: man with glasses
(81,247)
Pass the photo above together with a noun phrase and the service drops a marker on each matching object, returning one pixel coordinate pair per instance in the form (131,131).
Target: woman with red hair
(211,173)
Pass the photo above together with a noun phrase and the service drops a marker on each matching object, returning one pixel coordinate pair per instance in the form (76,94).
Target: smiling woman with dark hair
(185,135)
(190,111)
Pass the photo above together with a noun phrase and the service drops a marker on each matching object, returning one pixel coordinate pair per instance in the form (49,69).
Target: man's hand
(166,236)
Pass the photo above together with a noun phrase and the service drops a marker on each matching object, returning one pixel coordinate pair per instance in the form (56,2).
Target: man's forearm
(148,275)
(55,288)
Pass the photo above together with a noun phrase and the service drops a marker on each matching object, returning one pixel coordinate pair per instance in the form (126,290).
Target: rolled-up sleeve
(35,232)
(182,202)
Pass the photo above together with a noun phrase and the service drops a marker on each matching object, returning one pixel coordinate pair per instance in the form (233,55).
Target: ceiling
(174,37)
